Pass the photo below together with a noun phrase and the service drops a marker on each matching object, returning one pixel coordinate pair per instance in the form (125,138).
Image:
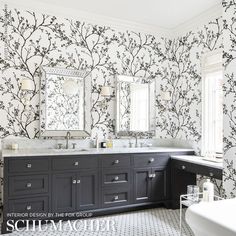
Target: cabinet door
(142,185)
(159,184)
(180,179)
(87,190)
(64,192)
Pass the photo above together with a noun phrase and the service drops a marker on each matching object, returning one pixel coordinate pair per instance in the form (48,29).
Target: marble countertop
(198,160)
(100,151)
(89,151)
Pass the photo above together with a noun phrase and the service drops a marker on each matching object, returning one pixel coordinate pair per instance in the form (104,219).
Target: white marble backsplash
(90,143)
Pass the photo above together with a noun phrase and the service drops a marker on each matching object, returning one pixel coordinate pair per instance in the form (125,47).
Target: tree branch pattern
(36,40)
(229,87)
(33,40)
(182,77)
(63,110)
(27,50)
(229,190)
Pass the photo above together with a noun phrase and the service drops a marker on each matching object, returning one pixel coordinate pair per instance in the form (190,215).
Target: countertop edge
(197,160)
(33,153)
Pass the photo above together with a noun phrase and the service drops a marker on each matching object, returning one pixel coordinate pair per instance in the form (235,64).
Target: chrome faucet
(136,140)
(68,136)
(130,143)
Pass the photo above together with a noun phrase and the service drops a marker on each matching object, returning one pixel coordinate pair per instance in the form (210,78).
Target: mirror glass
(65,102)
(135,105)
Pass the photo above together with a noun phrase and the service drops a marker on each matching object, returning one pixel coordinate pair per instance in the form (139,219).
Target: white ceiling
(161,13)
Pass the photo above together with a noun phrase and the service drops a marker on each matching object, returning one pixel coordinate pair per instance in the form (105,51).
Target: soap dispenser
(109,142)
(208,191)
(96,141)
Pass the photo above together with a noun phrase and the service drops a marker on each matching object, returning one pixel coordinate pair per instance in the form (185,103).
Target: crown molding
(114,23)
(69,12)
(198,21)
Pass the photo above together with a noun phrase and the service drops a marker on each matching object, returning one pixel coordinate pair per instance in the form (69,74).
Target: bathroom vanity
(97,181)
(184,170)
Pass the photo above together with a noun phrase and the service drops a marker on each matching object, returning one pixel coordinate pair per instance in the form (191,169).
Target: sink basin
(212,218)
(70,150)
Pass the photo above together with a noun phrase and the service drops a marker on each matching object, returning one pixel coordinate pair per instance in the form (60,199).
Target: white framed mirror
(135,105)
(65,102)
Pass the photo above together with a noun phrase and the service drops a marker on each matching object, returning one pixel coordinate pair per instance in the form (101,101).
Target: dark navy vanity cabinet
(100,184)
(151,177)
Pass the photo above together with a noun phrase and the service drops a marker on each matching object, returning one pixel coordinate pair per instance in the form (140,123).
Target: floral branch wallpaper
(63,109)
(181,76)
(29,40)
(229,58)
(32,40)
(125,109)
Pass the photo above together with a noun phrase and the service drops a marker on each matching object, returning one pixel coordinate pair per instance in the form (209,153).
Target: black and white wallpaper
(29,40)
(124,109)
(181,76)
(63,111)
(229,57)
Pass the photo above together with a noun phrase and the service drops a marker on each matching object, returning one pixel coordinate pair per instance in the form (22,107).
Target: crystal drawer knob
(78,181)
(183,167)
(116,178)
(152,176)
(74,181)
(29,165)
(116,198)
(211,174)
(116,161)
(28,185)
(28,208)
(151,160)
(76,163)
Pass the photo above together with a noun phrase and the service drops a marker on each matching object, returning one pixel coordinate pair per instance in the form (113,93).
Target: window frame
(205,70)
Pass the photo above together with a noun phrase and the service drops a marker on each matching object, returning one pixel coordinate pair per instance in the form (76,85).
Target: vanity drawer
(115,161)
(198,169)
(214,173)
(116,197)
(39,204)
(25,165)
(116,177)
(150,160)
(74,163)
(182,165)
(30,184)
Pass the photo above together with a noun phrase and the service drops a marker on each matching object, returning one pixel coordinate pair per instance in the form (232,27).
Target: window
(139,107)
(212,97)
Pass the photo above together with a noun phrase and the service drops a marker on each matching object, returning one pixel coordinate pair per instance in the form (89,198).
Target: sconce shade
(70,87)
(166,96)
(26,84)
(105,91)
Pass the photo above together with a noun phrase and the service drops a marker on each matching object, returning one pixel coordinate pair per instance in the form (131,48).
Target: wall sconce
(166,96)
(26,85)
(27,88)
(105,93)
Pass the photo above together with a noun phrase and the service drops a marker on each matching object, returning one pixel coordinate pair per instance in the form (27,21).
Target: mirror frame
(86,132)
(152,119)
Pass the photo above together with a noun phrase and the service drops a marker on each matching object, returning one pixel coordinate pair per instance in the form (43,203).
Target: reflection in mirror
(135,105)
(65,101)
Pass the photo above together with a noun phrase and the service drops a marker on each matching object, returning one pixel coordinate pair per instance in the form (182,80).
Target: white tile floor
(151,222)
